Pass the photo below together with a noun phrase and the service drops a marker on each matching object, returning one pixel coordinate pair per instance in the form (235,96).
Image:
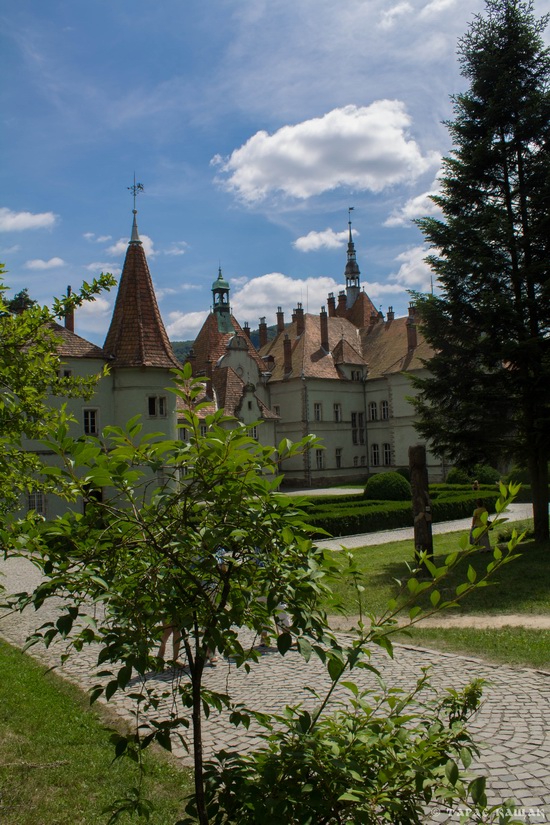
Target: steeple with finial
(352,273)
(136,336)
(135,190)
(220,300)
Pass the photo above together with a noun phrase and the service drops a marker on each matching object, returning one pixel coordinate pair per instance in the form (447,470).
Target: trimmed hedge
(369,517)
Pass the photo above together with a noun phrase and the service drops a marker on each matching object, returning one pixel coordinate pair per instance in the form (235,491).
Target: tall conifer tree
(488,393)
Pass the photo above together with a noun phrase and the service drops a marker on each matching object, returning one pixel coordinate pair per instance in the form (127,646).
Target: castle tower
(138,349)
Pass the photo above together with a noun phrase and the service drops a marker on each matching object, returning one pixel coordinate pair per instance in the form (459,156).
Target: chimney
(324,330)
(280,320)
(287,350)
(412,337)
(331,301)
(208,376)
(391,314)
(300,325)
(69,317)
(263,332)
(342,303)
(246,329)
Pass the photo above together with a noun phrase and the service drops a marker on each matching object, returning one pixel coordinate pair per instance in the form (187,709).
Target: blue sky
(253,126)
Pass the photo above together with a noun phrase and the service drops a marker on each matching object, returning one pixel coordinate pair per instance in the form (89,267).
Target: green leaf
(476,789)
(284,643)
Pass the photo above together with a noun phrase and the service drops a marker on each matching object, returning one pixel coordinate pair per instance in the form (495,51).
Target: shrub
(388,486)
(457,476)
(485,474)
(405,472)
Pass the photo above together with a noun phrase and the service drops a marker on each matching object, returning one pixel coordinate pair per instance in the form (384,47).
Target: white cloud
(436,7)
(414,272)
(38,263)
(18,221)
(419,206)
(389,17)
(120,247)
(89,236)
(95,316)
(10,250)
(363,147)
(327,239)
(104,238)
(260,296)
(184,325)
(98,266)
(177,248)
(375,289)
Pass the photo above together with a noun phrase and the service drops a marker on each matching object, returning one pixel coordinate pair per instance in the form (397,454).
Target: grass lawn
(523,586)
(519,646)
(56,758)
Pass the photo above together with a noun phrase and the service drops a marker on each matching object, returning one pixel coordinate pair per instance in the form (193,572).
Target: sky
(253,125)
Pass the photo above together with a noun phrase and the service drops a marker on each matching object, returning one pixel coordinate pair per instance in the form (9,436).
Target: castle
(341,374)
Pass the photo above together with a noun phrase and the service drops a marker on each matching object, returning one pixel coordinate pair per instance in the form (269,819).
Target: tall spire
(136,336)
(352,273)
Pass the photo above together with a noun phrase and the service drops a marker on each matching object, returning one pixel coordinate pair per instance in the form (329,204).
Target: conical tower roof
(137,337)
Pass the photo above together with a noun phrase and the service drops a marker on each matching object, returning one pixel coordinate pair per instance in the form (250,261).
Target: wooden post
(422,507)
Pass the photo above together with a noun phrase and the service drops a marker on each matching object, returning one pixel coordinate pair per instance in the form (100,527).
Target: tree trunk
(200,800)
(422,507)
(538,470)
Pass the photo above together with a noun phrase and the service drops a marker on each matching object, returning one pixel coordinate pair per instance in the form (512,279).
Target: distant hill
(182,348)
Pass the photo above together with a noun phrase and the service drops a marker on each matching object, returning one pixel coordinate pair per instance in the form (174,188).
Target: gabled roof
(361,311)
(385,347)
(211,344)
(137,337)
(230,389)
(308,357)
(344,353)
(73,346)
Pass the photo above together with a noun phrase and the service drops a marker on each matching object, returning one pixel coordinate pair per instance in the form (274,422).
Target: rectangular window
(358,428)
(204,429)
(375,455)
(362,461)
(319,459)
(384,410)
(37,501)
(91,421)
(355,461)
(337,413)
(373,411)
(356,375)
(386,452)
(156,405)
(338,457)
(253,432)
(277,409)
(317,412)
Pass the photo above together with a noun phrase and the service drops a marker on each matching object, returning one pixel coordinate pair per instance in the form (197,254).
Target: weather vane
(350,210)
(135,190)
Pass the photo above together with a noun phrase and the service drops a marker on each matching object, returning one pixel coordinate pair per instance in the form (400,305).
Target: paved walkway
(512,727)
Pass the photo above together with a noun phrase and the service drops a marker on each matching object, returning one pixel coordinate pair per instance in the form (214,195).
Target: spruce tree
(488,394)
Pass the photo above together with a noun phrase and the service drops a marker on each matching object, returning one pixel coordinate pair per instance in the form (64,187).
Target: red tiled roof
(137,337)
(73,346)
(210,344)
(308,357)
(360,313)
(386,348)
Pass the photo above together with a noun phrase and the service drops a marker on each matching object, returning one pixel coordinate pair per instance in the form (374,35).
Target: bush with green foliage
(390,486)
